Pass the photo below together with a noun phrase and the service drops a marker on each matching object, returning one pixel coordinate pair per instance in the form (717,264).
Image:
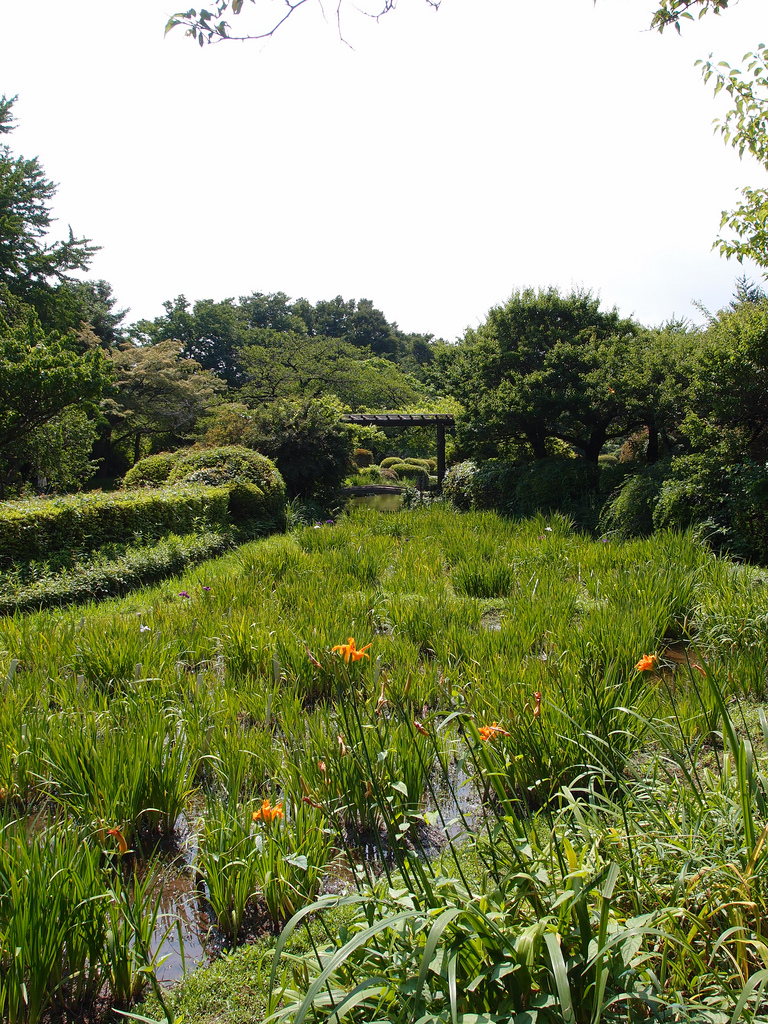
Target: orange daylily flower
(350,652)
(267,813)
(647,663)
(122,845)
(490,732)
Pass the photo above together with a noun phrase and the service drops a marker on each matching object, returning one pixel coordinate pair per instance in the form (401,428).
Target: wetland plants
(311,711)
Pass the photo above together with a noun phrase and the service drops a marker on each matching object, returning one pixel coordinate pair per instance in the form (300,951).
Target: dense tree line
(561,404)
(84,393)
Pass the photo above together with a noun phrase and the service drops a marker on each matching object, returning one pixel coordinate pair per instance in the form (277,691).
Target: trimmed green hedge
(38,528)
(136,567)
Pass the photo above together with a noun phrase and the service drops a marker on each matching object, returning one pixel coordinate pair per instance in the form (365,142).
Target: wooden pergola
(401,419)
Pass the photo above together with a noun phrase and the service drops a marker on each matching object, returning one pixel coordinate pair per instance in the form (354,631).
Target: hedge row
(38,528)
(135,567)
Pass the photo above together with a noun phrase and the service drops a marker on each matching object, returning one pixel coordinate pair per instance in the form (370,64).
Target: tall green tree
(293,364)
(543,366)
(208,332)
(42,374)
(28,261)
(157,395)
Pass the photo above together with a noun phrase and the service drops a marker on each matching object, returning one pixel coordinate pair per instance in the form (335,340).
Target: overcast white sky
(446,160)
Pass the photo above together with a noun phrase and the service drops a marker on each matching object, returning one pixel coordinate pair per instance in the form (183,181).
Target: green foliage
(151,471)
(52,921)
(41,376)
(59,451)
(362,457)
(157,393)
(256,488)
(629,511)
(249,858)
(458,485)
(543,365)
(494,486)
(27,261)
(605,829)
(310,446)
(106,573)
(417,475)
(37,529)
(744,128)
(523,489)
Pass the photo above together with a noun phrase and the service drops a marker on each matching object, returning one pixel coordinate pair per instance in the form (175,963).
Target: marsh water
(378,502)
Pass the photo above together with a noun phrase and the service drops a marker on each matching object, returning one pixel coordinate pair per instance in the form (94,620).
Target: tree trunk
(652,453)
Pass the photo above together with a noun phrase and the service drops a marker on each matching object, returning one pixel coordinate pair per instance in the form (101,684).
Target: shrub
(629,511)
(38,528)
(731,499)
(106,577)
(557,485)
(365,477)
(256,488)
(391,460)
(151,471)
(418,475)
(489,486)
(362,457)
(493,487)
(458,485)
(309,444)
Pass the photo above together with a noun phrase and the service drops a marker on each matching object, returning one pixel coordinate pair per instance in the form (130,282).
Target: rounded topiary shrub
(152,471)
(362,457)
(257,490)
(391,460)
(416,475)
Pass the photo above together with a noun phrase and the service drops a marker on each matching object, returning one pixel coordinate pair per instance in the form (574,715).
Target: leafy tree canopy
(156,394)
(239,339)
(41,375)
(547,365)
(28,262)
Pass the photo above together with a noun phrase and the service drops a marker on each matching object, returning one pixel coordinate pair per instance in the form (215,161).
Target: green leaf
(561,976)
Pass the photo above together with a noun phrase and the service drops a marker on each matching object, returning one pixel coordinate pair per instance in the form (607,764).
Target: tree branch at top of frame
(671,12)
(212,27)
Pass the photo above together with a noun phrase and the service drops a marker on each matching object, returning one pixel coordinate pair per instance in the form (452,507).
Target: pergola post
(440,455)
(399,419)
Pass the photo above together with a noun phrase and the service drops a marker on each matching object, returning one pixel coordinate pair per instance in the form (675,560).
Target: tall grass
(502,656)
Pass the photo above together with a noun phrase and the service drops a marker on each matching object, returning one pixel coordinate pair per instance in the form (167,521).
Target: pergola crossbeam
(440,420)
